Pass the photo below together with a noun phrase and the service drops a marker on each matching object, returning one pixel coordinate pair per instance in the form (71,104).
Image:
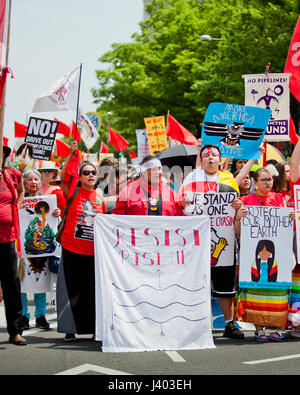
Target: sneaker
(232,331)
(70,337)
(42,323)
(23,323)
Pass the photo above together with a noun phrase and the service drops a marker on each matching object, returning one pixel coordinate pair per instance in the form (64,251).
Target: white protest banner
(41,135)
(152,283)
(266,248)
(38,227)
(271,92)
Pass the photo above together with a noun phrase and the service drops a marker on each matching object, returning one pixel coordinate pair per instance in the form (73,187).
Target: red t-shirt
(7,230)
(78,233)
(273,199)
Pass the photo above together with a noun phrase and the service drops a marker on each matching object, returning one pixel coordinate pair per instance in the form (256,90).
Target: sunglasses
(266,179)
(47,171)
(88,172)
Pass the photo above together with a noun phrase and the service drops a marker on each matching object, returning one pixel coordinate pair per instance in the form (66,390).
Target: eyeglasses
(266,179)
(88,172)
(47,170)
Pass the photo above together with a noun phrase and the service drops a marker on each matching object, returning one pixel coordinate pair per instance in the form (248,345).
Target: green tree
(167,67)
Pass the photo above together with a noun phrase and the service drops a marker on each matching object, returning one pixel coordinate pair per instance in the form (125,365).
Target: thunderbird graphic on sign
(232,133)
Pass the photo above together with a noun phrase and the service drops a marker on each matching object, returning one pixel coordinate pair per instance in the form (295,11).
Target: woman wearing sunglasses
(76,308)
(263,307)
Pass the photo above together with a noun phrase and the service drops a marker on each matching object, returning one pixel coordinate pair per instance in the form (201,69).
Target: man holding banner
(210,191)
(149,195)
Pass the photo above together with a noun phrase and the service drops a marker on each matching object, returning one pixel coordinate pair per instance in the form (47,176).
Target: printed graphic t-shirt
(78,233)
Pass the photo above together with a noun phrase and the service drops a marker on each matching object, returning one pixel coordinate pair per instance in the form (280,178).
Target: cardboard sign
(266,248)
(41,135)
(237,130)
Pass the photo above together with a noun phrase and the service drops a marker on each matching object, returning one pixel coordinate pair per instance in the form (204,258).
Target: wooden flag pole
(77,110)
(2,109)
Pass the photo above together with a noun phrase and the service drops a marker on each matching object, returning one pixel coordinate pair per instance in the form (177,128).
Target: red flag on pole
(293,62)
(62,148)
(104,148)
(73,134)
(20,130)
(72,173)
(117,140)
(179,133)
(132,155)
(63,128)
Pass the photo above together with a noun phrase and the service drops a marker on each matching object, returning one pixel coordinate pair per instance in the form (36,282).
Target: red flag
(62,148)
(63,128)
(78,136)
(72,173)
(177,132)
(117,140)
(293,62)
(104,148)
(20,130)
(4,16)
(5,140)
(132,154)
(292,132)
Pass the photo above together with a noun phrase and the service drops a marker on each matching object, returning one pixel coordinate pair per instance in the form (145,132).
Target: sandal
(260,336)
(295,333)
(277,336)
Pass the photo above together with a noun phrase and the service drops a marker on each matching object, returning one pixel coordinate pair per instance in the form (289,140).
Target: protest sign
(152,283)
(142,144)
(297,210)
(271,92)
(41,135)
(237,130)
(218,207)
(266,248)
(38,227)
(157,135)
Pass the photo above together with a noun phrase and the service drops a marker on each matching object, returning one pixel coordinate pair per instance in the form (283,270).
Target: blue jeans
(40,305)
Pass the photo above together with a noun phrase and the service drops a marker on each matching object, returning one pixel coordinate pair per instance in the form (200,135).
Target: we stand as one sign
(41,135)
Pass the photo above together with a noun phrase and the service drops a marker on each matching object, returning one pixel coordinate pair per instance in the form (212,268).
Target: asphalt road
(48,354)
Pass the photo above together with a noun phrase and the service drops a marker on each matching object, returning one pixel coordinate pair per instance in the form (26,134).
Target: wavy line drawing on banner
(160,307)
(120,306)
(158,289)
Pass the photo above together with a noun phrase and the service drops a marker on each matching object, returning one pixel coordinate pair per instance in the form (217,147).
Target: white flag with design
(61,96)
(88,132)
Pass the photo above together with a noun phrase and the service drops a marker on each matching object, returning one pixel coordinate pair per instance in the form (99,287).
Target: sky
(49,39)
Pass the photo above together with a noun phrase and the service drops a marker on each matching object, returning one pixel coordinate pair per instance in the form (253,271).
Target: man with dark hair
(148,195)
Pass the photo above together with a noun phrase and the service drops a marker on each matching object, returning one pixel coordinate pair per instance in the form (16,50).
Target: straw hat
(48,165)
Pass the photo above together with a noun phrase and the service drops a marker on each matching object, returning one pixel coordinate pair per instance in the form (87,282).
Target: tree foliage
(167,67)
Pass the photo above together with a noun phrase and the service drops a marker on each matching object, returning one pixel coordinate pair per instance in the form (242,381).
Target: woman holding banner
(263,307)
(76,275)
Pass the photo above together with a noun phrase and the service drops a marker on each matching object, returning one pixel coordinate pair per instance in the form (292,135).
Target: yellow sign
(156,132)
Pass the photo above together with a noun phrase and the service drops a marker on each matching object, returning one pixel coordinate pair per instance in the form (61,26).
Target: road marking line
(272,359)
(175,356)
(89,367)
